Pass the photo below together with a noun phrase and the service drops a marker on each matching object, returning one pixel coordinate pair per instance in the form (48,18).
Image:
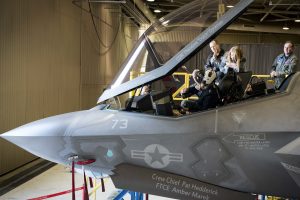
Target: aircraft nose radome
(51,126)
(43,137)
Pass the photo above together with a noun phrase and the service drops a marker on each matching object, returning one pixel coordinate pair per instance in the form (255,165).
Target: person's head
(235,54)
(215,47)
(288,48)
(198,76)
(146,89)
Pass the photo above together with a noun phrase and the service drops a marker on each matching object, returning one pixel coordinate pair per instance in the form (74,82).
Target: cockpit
(169,51)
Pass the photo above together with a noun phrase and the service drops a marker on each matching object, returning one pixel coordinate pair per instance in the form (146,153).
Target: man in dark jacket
(206,91)
(215,60)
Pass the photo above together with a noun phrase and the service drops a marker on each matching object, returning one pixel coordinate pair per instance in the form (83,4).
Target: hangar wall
(117,35)
(259,49)
(51,63)
(258,38)
(39,67)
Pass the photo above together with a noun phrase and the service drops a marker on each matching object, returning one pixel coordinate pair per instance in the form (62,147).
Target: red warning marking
(85,162)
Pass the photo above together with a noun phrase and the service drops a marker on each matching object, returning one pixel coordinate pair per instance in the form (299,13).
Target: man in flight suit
(284,64)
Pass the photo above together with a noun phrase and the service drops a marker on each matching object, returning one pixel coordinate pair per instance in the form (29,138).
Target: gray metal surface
(252,146)
(167,184)
(244,146)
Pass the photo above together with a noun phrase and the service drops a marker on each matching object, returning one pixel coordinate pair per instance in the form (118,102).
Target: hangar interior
(58,56)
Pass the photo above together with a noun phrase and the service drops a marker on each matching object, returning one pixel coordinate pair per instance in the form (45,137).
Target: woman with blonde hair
(234,60)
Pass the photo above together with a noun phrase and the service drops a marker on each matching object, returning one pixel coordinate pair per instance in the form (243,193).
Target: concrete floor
(58,179)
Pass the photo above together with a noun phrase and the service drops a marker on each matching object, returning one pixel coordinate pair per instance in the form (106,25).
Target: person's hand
(183,91)
(232,65)
(248,88)
(228,64)
(185,68)
(216,53)
(194,74)
(273,74)
(199,86)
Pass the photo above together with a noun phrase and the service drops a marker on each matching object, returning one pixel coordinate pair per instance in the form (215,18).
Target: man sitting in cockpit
(205,89)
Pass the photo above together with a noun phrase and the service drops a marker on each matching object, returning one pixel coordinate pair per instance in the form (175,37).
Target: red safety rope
(56,194)
(84,188)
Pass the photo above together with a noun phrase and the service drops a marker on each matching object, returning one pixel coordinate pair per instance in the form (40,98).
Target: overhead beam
(283,4)
(257,11)
(106,1)
(270,10)
(146,11)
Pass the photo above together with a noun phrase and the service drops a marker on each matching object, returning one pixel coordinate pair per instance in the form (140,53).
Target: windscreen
(167,37)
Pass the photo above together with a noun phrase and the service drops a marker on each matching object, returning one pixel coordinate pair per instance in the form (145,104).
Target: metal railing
(176,95)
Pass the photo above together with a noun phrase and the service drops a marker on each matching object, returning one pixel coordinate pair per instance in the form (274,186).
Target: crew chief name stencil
(157,156)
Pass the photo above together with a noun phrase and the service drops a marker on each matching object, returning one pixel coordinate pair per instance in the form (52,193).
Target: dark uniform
(217,64)
(208,98)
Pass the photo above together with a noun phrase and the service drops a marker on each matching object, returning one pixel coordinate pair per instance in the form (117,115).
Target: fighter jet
(228,152)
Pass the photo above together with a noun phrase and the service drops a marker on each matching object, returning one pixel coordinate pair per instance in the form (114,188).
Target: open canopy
(156,55)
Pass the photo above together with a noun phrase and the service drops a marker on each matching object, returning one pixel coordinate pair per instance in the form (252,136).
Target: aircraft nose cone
(45,137)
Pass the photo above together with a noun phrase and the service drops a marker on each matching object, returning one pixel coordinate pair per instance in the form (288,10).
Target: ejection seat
(162,102)
(232,86)
(157,102)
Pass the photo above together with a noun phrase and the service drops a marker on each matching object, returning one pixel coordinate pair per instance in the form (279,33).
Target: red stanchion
(73,190)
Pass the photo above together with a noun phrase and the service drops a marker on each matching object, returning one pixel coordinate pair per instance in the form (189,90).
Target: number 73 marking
(120,123)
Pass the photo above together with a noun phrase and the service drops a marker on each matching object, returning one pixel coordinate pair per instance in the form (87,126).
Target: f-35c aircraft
(229,152)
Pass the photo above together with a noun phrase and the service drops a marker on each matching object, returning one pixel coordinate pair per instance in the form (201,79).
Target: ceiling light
(165,23)
(297,20)
(157,11)
(229,6)
(150,0)
(285,27)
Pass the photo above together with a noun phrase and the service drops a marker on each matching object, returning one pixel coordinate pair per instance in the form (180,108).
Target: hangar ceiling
(262,15)
(276,13)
